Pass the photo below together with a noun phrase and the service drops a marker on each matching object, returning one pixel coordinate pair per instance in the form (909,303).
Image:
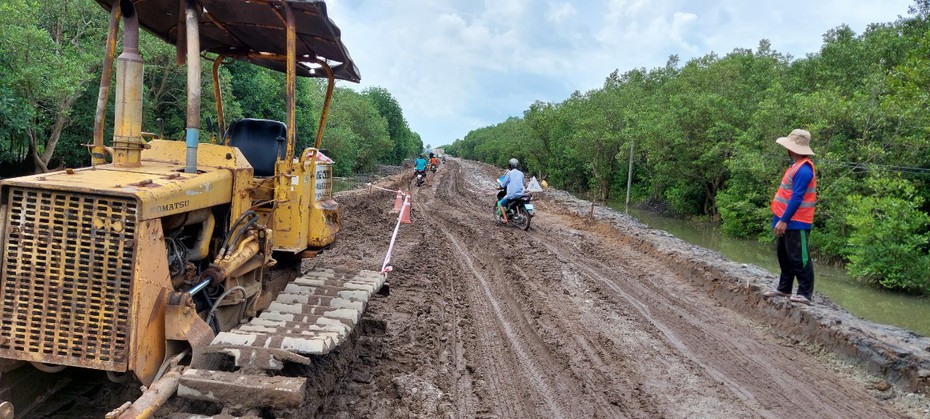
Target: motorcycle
(420,178)
(432,168)
(519,212)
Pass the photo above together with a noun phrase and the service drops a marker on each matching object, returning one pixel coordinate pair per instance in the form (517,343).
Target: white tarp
(533,186)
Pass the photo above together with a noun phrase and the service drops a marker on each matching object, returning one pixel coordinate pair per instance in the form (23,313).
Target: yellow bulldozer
(165,255)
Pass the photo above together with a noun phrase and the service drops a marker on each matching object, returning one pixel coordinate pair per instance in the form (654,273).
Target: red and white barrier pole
(405,211)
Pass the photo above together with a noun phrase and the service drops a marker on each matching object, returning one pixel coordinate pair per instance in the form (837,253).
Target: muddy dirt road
(574,318)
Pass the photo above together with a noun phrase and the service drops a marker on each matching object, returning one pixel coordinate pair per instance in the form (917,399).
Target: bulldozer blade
(242,390)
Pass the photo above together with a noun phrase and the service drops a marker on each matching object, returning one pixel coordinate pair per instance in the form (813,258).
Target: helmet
(431,155)
(513,163)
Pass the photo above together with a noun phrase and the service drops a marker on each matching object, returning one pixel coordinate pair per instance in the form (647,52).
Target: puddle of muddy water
(905,311)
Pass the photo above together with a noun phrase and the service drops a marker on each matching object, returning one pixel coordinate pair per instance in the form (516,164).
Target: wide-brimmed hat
(799,141)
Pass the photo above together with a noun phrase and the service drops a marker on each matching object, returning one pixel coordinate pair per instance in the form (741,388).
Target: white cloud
(504,12)
(559,12)
(455,66)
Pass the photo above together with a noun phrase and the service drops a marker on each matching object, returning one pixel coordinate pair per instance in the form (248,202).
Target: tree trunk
(34,154)
(61,121)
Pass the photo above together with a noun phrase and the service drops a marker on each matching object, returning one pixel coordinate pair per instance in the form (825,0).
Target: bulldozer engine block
(66,278)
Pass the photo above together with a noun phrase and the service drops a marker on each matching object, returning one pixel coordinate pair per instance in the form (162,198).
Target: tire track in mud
(728,348)
(464,386)
(607,391)
(752,368)
(574,318)
(608,382)
(670,337)
(566,314)
(529,367)
(505,391)
(744,372)
(592,399)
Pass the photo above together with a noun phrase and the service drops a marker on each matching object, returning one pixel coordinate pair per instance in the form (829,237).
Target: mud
(591,314)
(587,314)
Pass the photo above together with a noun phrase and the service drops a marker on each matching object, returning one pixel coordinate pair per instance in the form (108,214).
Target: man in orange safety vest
(793,206)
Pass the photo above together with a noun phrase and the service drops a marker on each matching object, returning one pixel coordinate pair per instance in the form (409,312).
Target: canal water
(344,184)
(870,303)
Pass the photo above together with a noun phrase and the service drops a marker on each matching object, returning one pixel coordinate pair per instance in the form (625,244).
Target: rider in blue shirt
(420,167)
(421,163)
(513,182)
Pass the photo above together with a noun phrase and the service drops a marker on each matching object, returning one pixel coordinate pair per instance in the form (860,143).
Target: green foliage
(15,115)
(51,52)
(342,146)
(48,52)
(702,132)
(830,216)
(406,144)
(889,238)
(357,129)
(497,144)
(703,138)
(259,91)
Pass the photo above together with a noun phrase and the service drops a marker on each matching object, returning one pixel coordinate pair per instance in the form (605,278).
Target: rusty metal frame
(218,97)
(226,35)
(291,87)
(97,151)
(331,82)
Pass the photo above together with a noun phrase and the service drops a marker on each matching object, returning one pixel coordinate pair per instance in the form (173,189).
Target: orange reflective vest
(805,212)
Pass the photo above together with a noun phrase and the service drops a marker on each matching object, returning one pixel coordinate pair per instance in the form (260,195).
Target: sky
(455,66)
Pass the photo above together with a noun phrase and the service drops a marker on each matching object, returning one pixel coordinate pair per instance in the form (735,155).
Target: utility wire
(910,170)
(880,167)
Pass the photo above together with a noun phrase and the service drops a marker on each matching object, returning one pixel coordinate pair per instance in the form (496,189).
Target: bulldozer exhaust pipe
(193,87)
(127,130)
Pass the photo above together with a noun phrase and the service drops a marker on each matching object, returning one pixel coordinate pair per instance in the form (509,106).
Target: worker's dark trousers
(794,258)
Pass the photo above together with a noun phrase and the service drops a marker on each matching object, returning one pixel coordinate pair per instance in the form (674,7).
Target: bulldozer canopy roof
(253,29)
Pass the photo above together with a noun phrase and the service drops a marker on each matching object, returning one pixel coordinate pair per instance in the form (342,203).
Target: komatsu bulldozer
(175,262)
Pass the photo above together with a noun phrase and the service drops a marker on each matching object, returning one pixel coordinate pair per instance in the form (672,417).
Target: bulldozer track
(307,334)
(315,315)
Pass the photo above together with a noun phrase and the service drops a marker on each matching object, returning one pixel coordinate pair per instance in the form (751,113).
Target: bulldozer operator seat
(261,141)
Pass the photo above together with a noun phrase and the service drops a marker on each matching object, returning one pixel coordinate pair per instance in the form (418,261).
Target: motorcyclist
(433,161)
(513,183)
(420,166)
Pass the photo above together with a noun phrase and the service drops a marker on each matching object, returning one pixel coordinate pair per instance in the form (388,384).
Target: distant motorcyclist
(513,183)
(420,166)
(433,162)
